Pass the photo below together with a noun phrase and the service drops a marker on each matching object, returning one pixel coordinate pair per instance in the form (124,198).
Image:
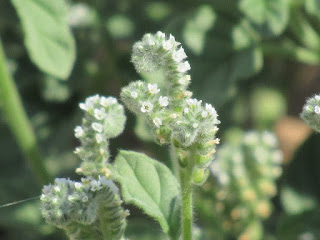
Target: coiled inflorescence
(311,112)
(173,115)
(246,173)
(91,208)
(104,118)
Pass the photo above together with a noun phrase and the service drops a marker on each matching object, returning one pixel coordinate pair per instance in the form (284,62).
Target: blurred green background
(255,61)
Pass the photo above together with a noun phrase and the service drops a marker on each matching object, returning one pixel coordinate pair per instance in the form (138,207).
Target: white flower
(184,80)
(183,67)
(78,185)
(157,122)
(211,110)
(56,189)
(150,40)
(204,114)
(134,94)
(174,115)
(108,101)
(167,45)
(317,97)
(163,101)
(97,127)
(146,107)
(109,183)
(78,132)
(95,185)
(186,110)
(317,109)
(161,35)
(153,88)
(179,55)
(77,150)
(193,102)
(85,199)
(99,138)
(195,125)
(99,114)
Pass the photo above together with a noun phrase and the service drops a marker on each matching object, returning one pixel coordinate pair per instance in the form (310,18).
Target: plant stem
(18,121)
(186,208)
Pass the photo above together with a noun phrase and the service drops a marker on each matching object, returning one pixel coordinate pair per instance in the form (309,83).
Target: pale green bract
(48,39)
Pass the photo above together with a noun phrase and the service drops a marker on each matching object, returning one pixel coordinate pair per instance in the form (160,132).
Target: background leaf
(47,36)
(149,185)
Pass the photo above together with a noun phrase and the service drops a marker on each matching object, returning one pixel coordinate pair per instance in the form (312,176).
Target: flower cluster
(76,207)
(311,112)
(246,173)
(158,52)
(104,118)
(173,115)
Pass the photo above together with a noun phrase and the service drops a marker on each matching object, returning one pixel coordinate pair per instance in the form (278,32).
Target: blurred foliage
(248,59)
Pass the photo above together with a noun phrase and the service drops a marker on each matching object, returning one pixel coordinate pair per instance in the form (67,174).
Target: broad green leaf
(300,227)
(47,36)
(149,185)
(270,17)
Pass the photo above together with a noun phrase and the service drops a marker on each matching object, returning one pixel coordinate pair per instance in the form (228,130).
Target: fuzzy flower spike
(311,112)
(177,119)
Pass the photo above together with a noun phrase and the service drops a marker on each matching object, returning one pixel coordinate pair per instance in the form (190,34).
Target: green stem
(186,208)
(17,120)
(288,49)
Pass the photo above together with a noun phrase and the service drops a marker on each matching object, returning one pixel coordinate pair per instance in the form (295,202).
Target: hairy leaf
(149,185)
(47,36)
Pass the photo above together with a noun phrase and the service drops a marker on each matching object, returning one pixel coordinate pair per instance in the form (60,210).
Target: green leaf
(47,36)
(313,7)
(270,17)
(149,185)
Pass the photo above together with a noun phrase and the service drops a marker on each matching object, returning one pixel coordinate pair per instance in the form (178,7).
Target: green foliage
(149,185)
(47,36)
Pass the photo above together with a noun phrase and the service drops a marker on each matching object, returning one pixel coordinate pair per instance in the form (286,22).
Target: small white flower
(184,80)
(77,150)
(134,94)
(153,88)
(56,189)
(183,67)
(108,101)
(163,101)
(97,127)
(160,34)
(78,185)
(211,110)
(186,110)
(150,40)
(85,199)
(195,125)
(167,45)
(193,102)
(146,107)
(204,114)
(317,97)
(157,122)
(95,185)
(99,114)
(179,55)
(108,183)
(174,115)
(99,138)
(317,109)
(78,132)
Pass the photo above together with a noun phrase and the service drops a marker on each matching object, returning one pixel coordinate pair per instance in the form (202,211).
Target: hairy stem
(18,121)
(186,208)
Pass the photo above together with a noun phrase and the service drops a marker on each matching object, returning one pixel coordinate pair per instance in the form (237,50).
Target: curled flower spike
(246,175)
(104,118)
(311,112)
(158,52)
(88,208)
